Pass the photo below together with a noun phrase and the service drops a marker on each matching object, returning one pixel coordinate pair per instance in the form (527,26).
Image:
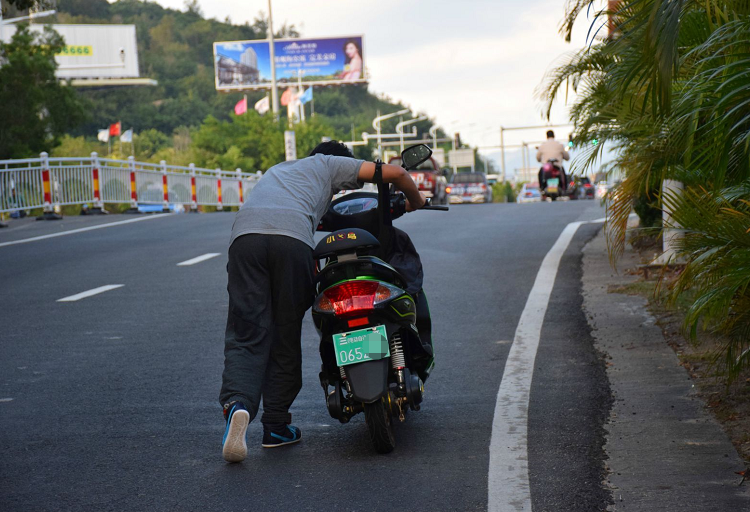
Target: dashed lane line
(198,259)
(89,293)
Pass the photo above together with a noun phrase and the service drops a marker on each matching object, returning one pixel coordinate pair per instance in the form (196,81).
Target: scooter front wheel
(380,426)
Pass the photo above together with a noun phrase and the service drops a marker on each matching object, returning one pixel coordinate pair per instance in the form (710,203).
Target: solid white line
(198,259)
(508,483)
(89,293)
(81,230)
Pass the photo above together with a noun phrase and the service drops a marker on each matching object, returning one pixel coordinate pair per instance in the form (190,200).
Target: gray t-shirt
(291,197)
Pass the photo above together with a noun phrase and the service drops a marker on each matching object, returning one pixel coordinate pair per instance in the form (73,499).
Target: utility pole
(274,91)
(502,151)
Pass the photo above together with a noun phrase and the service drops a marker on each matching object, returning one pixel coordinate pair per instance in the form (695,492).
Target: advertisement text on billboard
(247,64)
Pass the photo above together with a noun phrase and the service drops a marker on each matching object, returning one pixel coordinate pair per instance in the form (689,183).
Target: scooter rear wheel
(380,427)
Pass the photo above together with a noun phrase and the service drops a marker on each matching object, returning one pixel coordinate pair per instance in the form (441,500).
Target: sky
(471,65)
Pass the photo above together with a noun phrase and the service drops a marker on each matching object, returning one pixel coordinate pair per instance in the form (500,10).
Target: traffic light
(595,142)
(457,140)
(570,140)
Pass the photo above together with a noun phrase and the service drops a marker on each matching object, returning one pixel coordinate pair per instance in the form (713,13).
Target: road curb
(666,452)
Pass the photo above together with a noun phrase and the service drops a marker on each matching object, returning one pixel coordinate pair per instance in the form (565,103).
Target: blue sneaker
(234,446)
(280,435)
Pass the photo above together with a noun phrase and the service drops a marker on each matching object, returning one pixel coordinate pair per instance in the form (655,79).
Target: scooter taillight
(354,297)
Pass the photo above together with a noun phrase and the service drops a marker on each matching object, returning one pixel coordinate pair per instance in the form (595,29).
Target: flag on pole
(127,136)
(103,135)
(114,129)
(241,107)
(262,106)
(306,96)
(287,98)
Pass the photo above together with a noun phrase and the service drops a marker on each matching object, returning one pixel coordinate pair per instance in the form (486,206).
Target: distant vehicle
(429,179)
(492,179)
(553,180)
(584,188)
(601,189)
(573,192)
(469,187)
(529,193)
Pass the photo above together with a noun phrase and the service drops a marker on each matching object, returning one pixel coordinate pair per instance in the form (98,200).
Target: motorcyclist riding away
(549,150)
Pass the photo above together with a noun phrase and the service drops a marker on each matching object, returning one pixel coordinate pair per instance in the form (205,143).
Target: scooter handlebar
(428,206)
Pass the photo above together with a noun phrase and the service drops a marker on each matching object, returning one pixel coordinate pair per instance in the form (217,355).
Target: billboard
(242,65)
(93,51)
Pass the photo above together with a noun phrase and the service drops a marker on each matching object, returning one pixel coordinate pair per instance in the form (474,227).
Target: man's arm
(539,154)
(399,177)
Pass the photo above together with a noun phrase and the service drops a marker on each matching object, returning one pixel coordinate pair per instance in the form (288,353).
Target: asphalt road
(111,402)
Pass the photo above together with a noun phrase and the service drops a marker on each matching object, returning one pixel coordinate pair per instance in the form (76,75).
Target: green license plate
(368,344)
(552,185)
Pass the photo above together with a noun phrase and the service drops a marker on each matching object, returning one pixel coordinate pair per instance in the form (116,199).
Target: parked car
(529,193)
(429,179)
(469,187)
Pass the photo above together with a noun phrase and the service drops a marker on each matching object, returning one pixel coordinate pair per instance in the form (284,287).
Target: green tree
(41,109)
(671,95)
(78,146)
(149,142)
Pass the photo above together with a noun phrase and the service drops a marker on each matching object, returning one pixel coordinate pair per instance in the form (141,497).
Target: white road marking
(508,487)
(81,230)
(3,400)
(89,293)
(198,259)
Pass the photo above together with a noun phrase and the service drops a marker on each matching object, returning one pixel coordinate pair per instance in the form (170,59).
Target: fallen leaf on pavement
(744,474)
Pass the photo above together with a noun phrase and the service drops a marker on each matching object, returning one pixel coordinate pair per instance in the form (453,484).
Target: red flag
(114,129)
(241,107)
(287,98)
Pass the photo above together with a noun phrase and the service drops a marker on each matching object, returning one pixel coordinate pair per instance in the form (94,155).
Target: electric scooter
(373,357)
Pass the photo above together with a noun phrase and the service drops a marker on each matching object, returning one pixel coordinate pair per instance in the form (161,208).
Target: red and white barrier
(220,206)
(48,183)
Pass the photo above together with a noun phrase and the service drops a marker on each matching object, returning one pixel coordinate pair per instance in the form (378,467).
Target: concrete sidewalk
(666,452)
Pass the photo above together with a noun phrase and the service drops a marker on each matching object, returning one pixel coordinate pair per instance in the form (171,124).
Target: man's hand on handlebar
(410,208)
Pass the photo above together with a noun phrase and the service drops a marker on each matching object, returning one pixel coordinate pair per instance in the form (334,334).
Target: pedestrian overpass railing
(49,183)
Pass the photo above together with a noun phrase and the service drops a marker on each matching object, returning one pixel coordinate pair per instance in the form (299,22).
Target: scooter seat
(361,266)
(345,240)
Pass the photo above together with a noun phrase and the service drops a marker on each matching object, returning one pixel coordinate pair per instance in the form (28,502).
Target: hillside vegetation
(184,119)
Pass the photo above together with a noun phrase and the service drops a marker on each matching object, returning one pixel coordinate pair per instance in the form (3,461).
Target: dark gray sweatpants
(270,288)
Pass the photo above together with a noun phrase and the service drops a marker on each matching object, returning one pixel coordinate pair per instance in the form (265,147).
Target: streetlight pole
(376,124)
(433,133)
(274,91)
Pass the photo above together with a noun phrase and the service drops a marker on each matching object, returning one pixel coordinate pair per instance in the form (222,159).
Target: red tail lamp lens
(358,322)
(353,297)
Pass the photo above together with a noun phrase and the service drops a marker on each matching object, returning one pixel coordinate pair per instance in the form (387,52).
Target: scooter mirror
(415,155)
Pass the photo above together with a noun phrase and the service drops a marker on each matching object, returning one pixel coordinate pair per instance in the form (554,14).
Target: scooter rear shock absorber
(397,352)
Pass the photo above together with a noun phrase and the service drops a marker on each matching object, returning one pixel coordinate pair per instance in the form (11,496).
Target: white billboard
(93,51)
(461,157)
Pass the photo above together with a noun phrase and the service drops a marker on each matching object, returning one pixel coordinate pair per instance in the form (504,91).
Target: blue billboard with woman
(247,64)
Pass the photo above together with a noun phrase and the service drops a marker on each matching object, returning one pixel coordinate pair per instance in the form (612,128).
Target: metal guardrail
(49,183)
